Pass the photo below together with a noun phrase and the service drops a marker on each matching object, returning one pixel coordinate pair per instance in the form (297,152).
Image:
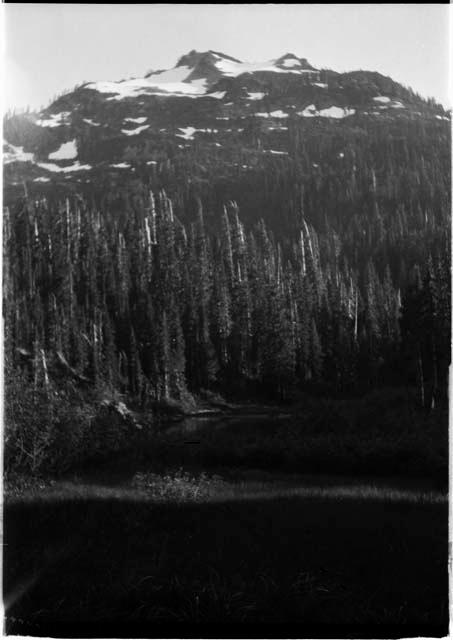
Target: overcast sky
(51,48)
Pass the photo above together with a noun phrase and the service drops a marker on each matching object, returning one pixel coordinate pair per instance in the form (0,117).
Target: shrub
(55,426)
(28,428)
(178,486)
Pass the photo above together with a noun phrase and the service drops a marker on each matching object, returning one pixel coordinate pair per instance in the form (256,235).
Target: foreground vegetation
(160,554)
(181,524)
(180,521)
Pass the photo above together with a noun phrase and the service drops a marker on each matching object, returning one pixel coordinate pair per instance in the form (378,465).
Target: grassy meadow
(250,522)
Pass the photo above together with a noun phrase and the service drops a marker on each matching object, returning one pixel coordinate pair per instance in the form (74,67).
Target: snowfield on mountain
(211,101)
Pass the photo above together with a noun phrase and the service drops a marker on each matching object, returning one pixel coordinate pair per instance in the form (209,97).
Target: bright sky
(52,47)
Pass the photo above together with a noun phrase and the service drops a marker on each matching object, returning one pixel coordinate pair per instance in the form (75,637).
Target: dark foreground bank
(180,555)
(330,516)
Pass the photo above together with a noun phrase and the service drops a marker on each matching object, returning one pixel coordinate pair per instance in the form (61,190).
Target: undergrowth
(178,486)
(54,427)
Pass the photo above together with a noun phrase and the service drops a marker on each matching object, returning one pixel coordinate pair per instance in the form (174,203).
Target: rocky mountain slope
(210,110)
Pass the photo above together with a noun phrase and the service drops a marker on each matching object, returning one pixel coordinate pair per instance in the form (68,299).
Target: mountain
(210,110)
(244,228)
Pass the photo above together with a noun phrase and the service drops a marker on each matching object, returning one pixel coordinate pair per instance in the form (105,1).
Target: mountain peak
(211,66)
(208,97)
(193,58)
(290,60)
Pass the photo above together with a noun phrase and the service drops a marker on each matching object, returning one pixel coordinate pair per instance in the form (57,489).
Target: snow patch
(323,85)
(134,132)
(121,165)
(188,132)
(164,83)
(55,120)
(278,153)
(67,151)
(290,62)
(177,74)
(308,112)
(136,120)
(200,83)
(42,179)
(273,114)
(16,154)
(93,124)
(330,112)
(233,69)
(255,95)
(383,99)
(57,169)
(336,112)
(219,95)
(393,104)
(151,162)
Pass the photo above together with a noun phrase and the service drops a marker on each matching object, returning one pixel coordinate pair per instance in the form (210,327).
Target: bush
(177,486)
(28,424)
(53,427)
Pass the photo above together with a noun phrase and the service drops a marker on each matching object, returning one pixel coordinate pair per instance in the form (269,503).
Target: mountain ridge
(209,103)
